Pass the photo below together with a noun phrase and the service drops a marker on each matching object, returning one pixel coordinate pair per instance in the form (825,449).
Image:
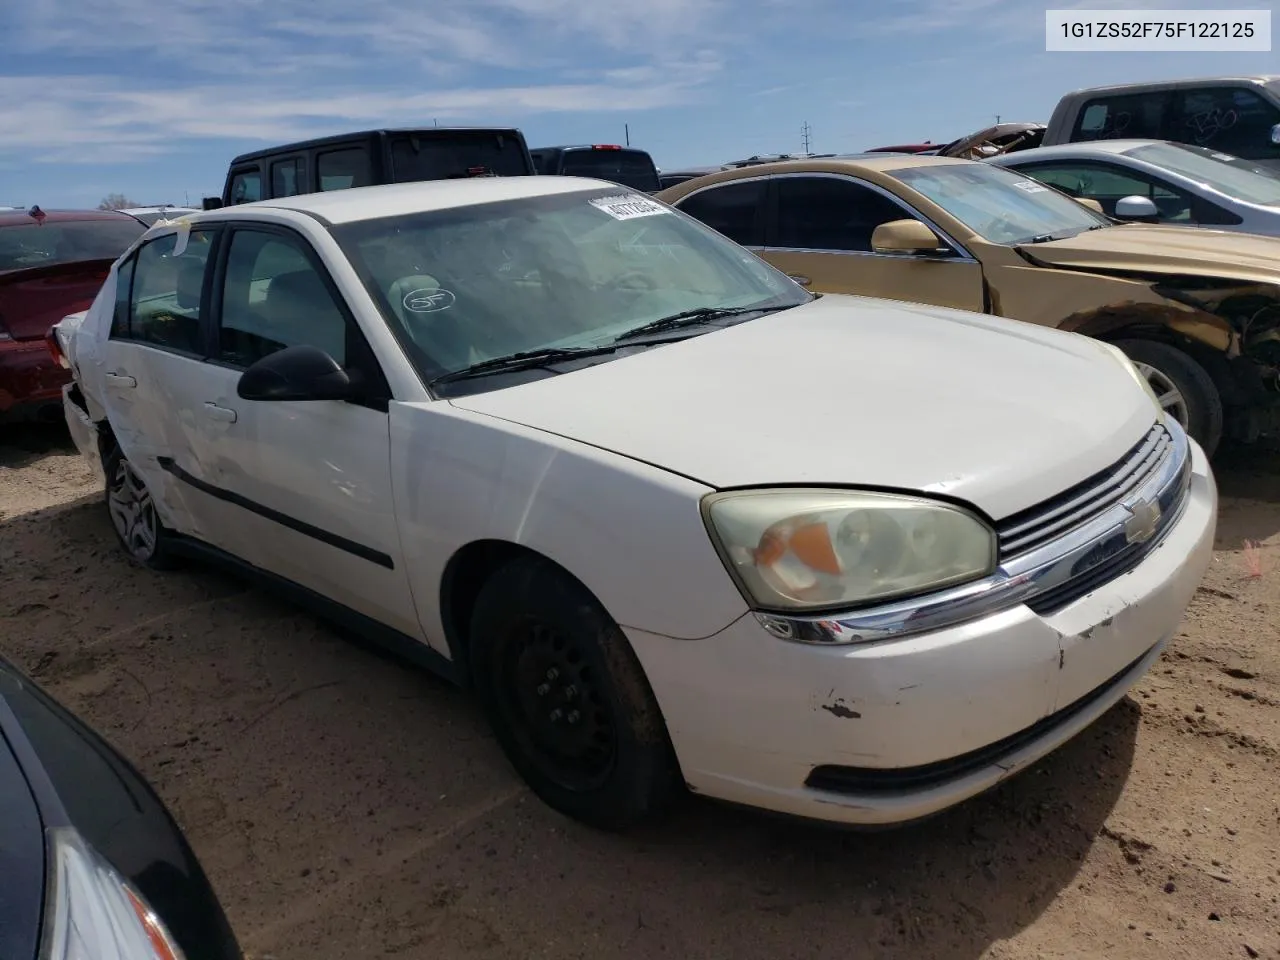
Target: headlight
(801,549)
(1123,359)
(94,913)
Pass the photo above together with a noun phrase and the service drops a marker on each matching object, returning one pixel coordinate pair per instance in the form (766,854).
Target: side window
(823,213)
(1140,115)
(288,178)
(273,297)
(1231,119)
(164,300)
(246,186)
(732,209)
(1109,184)
(340,169)
(124,283)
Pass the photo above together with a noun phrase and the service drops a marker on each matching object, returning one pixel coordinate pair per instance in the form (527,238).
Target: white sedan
(676,519)
(1160,181)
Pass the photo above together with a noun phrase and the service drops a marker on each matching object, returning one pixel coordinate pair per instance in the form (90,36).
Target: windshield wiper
(690,318)
(526,360)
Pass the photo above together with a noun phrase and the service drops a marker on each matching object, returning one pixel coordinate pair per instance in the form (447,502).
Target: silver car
(1160,181)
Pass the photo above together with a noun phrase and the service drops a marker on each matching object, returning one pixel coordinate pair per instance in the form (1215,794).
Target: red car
(52,263)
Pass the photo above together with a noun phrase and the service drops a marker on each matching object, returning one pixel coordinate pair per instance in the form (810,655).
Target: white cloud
(246,70)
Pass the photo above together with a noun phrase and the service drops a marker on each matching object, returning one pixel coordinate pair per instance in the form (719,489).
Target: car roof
(855,164)
(1264,78)
(1084,148)
(13,218)
(339,138)
(353,204)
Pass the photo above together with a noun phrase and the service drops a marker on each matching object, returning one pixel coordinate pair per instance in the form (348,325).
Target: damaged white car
(676,519)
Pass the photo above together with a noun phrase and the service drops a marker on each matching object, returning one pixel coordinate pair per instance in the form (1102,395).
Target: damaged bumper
(891,731)
(84,432)
(30,382)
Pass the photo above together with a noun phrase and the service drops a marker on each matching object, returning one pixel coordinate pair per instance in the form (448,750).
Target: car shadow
(325,788)
(23,444)
(1249,496)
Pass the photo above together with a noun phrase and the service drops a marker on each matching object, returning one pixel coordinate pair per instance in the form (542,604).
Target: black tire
(147,541)
(540,642)
(1202,402)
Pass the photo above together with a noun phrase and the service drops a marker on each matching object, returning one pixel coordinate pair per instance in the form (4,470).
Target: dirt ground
(348,806)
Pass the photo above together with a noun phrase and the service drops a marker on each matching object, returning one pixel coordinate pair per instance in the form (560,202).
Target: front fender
(631,532)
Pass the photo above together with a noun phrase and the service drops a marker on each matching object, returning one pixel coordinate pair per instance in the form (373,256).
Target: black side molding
(306,529)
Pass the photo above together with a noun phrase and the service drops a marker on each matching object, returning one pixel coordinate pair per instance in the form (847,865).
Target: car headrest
(190,282)
(302,290)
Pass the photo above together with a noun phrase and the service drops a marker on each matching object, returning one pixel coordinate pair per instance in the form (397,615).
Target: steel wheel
(132,512)
(550,697)
(1167,392)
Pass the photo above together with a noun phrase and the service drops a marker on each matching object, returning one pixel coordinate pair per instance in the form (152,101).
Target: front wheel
(133,514)
(1185,390)
(567,698)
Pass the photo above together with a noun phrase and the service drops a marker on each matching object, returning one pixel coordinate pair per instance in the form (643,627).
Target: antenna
(805,131)
(626,127)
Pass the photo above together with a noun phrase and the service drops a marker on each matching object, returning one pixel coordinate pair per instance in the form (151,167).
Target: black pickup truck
(372,157)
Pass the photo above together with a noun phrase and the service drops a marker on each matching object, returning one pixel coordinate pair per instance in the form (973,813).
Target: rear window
(631,168)
(436,157)
(24,245)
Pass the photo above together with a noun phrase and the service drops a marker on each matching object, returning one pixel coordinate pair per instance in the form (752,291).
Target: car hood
(855,392)
(1151,248)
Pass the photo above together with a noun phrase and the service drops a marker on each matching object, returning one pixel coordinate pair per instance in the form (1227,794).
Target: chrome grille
(1052,519)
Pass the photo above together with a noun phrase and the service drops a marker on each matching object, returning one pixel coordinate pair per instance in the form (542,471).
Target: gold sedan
(1197,310)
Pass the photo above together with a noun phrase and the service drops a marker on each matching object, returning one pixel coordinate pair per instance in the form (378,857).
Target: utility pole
(997,119)
(804,134)
(627,129)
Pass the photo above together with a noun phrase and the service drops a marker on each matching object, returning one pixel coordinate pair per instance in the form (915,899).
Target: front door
(820,234)
(309,481)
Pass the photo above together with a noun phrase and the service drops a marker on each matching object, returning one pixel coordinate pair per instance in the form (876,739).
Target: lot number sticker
(627,206)
(1030,186)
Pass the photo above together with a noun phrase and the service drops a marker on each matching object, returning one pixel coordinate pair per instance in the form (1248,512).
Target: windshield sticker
(428,300)
(1030,186)
(628,206)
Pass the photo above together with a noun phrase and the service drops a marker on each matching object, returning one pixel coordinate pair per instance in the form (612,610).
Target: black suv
(605,161)
(374,157)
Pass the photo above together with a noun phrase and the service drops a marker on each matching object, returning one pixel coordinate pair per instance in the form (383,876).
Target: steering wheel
(645,281)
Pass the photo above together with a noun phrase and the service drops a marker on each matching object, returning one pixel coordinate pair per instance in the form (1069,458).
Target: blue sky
(151,98)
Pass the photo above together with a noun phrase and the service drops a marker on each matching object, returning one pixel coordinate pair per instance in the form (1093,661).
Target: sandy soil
(347,806)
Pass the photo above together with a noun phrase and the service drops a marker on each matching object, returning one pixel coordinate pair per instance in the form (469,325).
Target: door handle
(226,414)
(120,380)
(803,281)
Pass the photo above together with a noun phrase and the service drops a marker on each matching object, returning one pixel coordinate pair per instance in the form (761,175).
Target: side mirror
(1137,208)
(1092,204)
(905,236)
(212,203)
(295,373)
(1275,134)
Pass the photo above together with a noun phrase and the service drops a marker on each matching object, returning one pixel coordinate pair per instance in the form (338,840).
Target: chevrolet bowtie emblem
(1141,526)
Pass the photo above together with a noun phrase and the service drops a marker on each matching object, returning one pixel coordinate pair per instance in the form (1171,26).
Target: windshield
(25,245)
(999,205)
(631,168)
(462,286)
(1243,179)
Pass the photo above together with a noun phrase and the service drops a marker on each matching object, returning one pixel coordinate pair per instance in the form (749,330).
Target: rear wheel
(1185,390)
(133,514)
(568,701)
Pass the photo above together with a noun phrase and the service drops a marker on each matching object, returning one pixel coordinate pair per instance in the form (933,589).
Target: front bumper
(30,380)
(890,731)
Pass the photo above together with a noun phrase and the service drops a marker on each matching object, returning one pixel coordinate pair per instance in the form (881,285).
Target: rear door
(155,379)
(820,234)
(734,208)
